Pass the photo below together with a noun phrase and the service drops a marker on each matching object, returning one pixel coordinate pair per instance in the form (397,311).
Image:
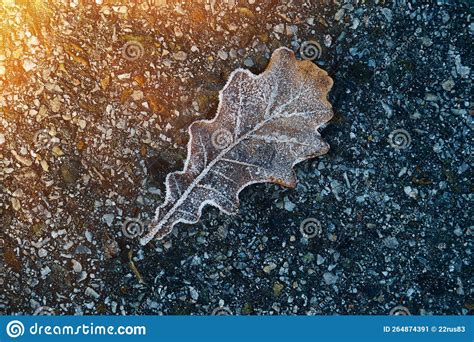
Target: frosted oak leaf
(265,125)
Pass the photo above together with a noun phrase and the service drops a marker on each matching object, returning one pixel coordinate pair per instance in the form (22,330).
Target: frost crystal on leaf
(264,126)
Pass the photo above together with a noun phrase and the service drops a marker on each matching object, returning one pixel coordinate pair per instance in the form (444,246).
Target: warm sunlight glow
(7,2)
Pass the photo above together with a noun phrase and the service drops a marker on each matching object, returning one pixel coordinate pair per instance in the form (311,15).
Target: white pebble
(330,278)
(76,266)
(223,55)
(28,65)
(91,293)
(194,293)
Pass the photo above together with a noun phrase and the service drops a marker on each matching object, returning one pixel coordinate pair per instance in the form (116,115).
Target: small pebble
(330,278)
(222,55)
(76,266)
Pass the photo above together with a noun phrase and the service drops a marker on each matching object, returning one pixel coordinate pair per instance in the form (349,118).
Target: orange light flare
(21,23)
(5,9)
(7,2)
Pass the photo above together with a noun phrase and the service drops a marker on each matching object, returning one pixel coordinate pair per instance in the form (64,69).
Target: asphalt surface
(95,102)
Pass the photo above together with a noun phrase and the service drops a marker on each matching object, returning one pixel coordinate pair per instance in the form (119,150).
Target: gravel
(94,105)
